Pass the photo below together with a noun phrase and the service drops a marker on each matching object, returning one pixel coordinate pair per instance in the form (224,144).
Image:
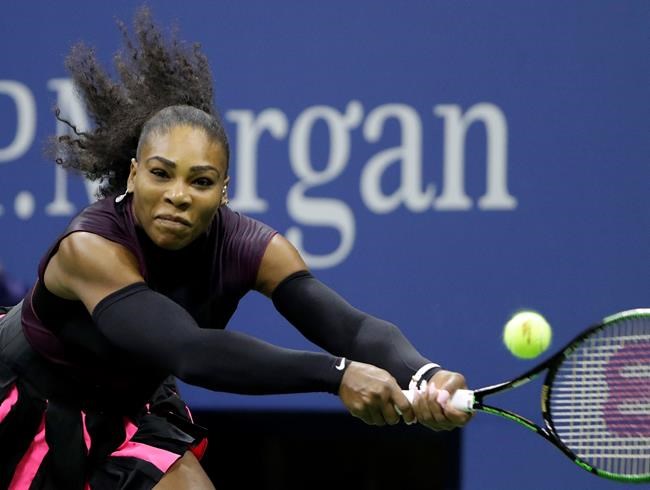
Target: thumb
(443,396)
(403,407)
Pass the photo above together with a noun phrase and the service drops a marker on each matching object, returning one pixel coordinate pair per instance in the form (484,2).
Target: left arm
(329,321)
(326,319)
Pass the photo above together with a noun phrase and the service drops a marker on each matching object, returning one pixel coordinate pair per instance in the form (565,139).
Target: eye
(158,172)
(204,182)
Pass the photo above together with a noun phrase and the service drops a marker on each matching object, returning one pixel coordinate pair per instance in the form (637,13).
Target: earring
(121,197)
(224,196)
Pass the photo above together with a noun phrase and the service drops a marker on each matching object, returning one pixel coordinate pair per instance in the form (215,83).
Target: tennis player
(142,283)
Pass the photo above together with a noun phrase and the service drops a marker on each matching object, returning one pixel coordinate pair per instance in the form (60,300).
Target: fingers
(403,407)
(433,410)
(375,416)
(443,396)
(456,417)
(389,414)
(428,408)
(374,409)
(372,394)
(450,381)
(380,413)
(384,410)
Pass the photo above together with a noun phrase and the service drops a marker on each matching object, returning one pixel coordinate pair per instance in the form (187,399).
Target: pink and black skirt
(52,438)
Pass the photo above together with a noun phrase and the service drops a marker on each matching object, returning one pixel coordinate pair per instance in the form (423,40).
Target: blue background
(572,81)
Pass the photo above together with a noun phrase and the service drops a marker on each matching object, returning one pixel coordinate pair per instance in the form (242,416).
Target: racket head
(596,398)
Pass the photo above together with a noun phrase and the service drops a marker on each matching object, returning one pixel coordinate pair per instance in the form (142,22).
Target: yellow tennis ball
(527,334)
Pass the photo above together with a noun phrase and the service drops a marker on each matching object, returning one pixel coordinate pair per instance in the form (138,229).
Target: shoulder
(112,221)
(254,252)
(241,234)
(101,232)
(280,260)
(238,223)
(90,247)
(85,258)
(86,253)
(103,211)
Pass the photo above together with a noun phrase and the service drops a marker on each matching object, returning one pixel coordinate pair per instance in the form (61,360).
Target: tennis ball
(527,334)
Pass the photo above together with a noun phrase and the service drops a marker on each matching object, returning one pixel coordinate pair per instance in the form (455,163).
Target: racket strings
(600,398)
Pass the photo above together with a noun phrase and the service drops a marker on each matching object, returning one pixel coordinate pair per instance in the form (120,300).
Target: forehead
(185,145)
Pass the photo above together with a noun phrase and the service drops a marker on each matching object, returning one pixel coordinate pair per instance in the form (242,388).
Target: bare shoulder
(280,260)
(88,267)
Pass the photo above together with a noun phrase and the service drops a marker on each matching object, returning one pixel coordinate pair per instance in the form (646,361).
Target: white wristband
(417,377)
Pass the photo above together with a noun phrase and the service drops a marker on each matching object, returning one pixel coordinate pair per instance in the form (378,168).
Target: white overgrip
(462,400)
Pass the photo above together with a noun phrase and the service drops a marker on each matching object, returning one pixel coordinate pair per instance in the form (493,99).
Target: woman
(142,283)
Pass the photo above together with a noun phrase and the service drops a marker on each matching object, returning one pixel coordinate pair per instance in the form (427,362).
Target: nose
(177,194)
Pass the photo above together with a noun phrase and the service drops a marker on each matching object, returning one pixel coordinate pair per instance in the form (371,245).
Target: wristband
(419,375)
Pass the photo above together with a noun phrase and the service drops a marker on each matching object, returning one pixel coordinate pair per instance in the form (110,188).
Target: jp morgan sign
(405,160)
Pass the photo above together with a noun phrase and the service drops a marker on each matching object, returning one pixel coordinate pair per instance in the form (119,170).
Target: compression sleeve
(329,321)
(152,327)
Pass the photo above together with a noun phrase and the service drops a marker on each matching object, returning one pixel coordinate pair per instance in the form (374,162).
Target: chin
(169,242)
(170,239)
(173,245)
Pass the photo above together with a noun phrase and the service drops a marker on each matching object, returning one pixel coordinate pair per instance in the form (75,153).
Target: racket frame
(552,364)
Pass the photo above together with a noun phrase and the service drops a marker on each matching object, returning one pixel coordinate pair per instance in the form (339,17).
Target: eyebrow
(193,168)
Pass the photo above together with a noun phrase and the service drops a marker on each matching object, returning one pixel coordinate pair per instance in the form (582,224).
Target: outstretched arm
(146,324)
(329,321)
(155,329)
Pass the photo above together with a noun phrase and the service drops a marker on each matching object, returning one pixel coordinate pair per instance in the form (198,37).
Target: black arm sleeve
(161,333)
(326,319)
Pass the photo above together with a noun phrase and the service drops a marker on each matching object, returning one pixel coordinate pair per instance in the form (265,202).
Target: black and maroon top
(208,278)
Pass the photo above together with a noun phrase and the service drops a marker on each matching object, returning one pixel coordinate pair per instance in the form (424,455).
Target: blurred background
(440,164)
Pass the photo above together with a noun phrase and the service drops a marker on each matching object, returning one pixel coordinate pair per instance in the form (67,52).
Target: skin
(178,184)
(185,473)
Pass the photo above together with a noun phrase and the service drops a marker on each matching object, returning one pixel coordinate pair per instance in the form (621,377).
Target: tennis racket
(595,398)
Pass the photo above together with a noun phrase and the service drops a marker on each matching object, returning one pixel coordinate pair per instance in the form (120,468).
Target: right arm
(104,277)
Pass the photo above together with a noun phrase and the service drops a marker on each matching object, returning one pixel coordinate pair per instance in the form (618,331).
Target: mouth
(173,219)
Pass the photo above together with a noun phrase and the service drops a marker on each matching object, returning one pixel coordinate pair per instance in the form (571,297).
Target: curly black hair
(154,74)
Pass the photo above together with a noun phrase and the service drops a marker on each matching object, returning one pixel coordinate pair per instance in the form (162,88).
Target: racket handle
(462,400)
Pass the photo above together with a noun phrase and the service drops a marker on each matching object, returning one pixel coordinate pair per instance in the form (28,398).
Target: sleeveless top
(207,278)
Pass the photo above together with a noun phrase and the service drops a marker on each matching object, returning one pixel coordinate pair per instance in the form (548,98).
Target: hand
(430,403)
(371,394)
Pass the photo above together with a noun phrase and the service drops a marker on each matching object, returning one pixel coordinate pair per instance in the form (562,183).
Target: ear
(130,183)
(224,192)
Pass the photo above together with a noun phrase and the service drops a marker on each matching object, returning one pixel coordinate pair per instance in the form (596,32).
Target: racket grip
(409,394)
(463,400)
